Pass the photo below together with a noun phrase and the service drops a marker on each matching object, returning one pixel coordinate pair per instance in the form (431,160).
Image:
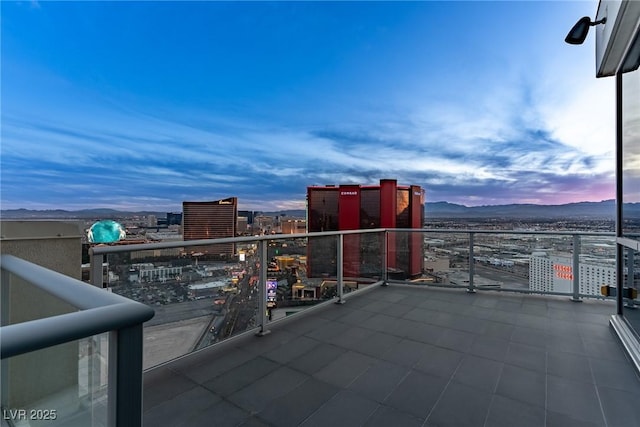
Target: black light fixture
(579,31)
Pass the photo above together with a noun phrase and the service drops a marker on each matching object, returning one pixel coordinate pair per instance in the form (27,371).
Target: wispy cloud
(523,126)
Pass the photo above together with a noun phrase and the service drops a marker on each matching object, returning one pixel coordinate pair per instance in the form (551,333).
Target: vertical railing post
(340,262)
(630,276)
(385,255)
(262,289)
(576,269)
(471,288)
(5,295)
(125,377)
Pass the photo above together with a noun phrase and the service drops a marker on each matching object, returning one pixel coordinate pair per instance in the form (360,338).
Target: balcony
(472,346)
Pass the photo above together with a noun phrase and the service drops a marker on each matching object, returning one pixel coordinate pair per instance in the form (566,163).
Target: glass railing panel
(302,273)
(367,255)
(445,259)
(405,257)
(501,261)
(62,385)
(234,306)
(516,261)
(199,296)
(597,264)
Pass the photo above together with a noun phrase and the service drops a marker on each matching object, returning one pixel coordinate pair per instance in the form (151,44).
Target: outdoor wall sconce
(579,31)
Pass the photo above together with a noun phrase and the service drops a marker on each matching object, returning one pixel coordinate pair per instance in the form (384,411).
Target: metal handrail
(100,311)
(107,249)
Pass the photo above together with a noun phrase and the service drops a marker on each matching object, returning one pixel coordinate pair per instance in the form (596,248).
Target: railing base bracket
(576,299)
(263,333)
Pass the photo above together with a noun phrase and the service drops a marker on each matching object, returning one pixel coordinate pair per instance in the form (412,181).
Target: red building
(353,207)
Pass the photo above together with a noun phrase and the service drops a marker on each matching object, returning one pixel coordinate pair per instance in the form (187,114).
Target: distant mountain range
(605,209)
(588,210)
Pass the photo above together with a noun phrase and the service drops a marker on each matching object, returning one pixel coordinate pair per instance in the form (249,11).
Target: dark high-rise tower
(353,207)
(211,220)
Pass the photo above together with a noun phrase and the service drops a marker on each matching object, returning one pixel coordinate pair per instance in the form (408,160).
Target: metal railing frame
(97,252)
(107,312)
(99,312)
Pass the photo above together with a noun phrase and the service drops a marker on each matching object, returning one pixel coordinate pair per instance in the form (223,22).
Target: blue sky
(142,105)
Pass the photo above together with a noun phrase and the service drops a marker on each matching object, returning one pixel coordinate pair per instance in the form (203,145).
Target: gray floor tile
(241,376)
(490,347)
(377,344)
(479,373)
(530,336)
(386,416)
(396,366)
(262,344)
(294,407)
(568,365)
(425,333)
(460,406)
(292,350)
(603,350)
(617,375)
(327,331)
(526,356)
(163,384)
(512,307)
(355,317)
(439,361)
(575,399)
(177,412)
(505,412)
(379,381)
(555,419)
(498,330)
(421,315)
(317,358)
(222,414)
(621,408)
(214,365)
(406,352)
(384,323)
(345,369)
(305,324)
(456,340)
(262,391)
(397,310)
(350,337)
(344,409)
(522,385)
(566,343)
(507,317)
(254,422)
(417,394)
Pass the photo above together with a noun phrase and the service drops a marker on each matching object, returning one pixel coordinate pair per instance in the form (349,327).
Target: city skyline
(140,106)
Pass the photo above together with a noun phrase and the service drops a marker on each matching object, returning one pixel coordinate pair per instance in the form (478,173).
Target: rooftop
(407,355)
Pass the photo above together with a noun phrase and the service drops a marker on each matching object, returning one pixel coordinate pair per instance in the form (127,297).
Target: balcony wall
(57,246)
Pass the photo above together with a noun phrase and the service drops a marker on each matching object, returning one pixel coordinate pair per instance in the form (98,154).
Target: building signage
(563,271)
(272,286)
(348,193)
